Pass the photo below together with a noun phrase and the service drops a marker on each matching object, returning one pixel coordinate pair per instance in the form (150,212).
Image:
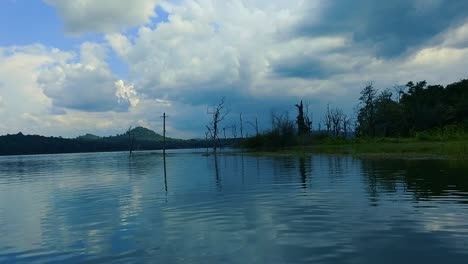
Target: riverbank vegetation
(414,118)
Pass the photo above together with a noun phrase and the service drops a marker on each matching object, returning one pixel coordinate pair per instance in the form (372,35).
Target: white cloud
(456,37)
(209,46)
(19,68)
(126,93)
(87,85)
(81,16)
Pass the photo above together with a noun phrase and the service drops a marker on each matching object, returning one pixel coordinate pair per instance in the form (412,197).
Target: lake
(231,208)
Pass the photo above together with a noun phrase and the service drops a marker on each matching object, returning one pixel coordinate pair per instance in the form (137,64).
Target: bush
(451,132)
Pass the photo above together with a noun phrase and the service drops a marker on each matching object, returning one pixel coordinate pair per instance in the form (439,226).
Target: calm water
(231,209)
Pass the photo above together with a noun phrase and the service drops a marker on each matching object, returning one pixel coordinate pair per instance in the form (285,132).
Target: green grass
(450,142)
(378,148)
(408,147)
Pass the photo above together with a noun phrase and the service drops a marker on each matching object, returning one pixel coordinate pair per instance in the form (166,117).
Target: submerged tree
(241,126)
(234,131)
(304,124)
(328,119)
(301,126)
(254,126)
(218,114)
(308,117)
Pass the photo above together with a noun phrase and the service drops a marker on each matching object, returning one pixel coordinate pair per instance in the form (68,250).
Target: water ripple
(112,207)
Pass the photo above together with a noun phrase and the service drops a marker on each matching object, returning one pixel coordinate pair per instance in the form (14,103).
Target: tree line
(415,107)
(402,111)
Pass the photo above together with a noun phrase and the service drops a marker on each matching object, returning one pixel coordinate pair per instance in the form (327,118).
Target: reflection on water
(189,207)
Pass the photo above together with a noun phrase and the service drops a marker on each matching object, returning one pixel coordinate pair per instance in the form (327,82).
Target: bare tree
(308,117)
(399,91)
(234,131)
(218,113)
(300,121)
(336,120)
(255,126)
(347,122)
(283,126)
(241,126)
(207,134)
(328,119)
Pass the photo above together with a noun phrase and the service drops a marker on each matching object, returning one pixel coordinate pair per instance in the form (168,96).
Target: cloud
(388,28)
(19,68)
(126,93)
(87,85)
(83,16)
(261,55)
(205,50)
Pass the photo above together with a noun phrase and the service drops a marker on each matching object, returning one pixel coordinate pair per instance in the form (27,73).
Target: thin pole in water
(164,132)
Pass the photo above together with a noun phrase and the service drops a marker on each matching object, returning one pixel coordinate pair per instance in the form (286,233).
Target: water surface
(112,207)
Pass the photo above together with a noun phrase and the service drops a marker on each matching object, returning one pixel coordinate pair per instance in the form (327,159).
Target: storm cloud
(388,28)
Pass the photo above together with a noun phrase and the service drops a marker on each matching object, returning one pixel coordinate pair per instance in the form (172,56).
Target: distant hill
(140,134)
(145,139)
(88,137)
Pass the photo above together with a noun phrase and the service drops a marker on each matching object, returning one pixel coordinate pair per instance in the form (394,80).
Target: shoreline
(420,150)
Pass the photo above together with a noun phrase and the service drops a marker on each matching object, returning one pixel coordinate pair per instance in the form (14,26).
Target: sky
(68,68)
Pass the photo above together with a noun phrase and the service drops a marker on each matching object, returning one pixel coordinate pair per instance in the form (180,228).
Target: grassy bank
(377,148)
(406,148)
(447,142)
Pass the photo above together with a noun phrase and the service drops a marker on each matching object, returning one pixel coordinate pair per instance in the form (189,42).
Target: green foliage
(367,112)
(450,132)
(425,111)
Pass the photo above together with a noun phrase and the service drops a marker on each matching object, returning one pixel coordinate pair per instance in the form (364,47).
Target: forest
(416,107)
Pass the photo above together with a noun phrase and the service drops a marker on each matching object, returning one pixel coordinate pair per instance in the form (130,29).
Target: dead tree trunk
(234,131)
(301,126)
(241,126)
(218,113)
(254,126)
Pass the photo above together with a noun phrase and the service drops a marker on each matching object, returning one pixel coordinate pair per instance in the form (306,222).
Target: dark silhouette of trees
(300,120)
(303,120)
(387,115)
(417,107)
(308,118)
(241,127)
(328,120)
(399,91)
(336,116)
(366,114)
